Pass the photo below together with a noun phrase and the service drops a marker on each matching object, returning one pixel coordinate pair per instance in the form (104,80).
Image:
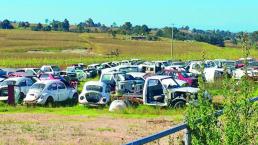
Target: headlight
(81,97)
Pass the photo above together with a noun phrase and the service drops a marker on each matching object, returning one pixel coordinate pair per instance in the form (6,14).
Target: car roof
(159,77)
(16,78)
(98,83)
(49,81)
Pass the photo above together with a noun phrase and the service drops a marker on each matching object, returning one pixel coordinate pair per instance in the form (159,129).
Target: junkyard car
(49,91)
(94,93)
(50,69)
(165,91)
(22,87)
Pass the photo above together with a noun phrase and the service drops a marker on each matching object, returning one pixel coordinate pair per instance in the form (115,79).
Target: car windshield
(185,75)
(165,63)
(70,69)
(169,82)
(55,68)
(106,78)
(178,63)
(38,86)
(128,69)
(252,64)
(229,63)
(8,82)
(44,76)
(36,70)
(94,88)
(124,77)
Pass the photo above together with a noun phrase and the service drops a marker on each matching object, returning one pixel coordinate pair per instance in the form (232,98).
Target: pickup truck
(164,91)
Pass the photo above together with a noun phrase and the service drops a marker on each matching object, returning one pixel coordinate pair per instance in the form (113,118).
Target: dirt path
(59,129)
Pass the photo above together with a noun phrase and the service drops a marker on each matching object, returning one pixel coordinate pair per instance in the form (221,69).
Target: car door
(23,86)
(29,83)
(53,91)
(62,92)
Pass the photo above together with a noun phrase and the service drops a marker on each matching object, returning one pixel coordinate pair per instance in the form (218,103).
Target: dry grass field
(31,48)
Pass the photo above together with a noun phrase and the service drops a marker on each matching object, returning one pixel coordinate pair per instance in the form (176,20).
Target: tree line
(215,37)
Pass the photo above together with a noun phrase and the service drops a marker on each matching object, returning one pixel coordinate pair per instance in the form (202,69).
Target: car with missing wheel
(47,92)
(95,93)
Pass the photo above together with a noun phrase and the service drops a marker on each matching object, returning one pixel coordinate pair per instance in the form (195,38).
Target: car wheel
(179,104)
(49,102)
(20,100)
(75,98)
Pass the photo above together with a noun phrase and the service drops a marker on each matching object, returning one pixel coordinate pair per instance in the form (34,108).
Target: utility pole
(172,42)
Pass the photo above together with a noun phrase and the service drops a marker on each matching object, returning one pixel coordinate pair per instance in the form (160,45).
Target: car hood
(185,89)
(32,95)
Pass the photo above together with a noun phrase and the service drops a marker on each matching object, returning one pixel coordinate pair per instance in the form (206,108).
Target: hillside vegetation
(33,48)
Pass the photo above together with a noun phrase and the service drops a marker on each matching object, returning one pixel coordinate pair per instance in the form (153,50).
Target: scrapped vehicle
(178,65)
(165,91)
(94,93)
(127,68)
(22,87)
(210,72)
(251,73)
(81,75)
(126,83)
(47,92)
(91,73)
(140,75)
(229,65)
(3,73)
(29,71)
(50,69)
(253,65)
(181,75)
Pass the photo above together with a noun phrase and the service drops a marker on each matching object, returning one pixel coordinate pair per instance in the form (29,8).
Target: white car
(29,71)
(47,92)
(50,69)
(239,73)
(94,93)
(23,84)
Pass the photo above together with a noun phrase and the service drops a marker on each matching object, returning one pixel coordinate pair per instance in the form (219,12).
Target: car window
(30,72)
(61,86)
(52,87)
(29,82)
(22,83)
(153,83)
(47,69)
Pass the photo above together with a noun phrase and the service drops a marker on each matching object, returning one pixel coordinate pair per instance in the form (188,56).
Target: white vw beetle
(23,84)
(49,91)
(94,93)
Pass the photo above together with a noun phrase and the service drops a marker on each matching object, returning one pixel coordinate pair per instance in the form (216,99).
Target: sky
(232,15)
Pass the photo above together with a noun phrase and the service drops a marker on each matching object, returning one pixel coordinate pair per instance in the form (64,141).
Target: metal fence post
(188,137)
(11,96)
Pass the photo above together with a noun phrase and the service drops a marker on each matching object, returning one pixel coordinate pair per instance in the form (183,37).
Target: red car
(181,75)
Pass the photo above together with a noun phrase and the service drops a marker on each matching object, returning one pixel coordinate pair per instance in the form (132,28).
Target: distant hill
(27,48)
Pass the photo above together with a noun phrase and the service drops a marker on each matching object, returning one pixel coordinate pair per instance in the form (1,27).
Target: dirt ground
(54,129)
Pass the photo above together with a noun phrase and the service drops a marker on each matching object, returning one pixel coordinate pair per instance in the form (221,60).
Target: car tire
(179,104)
(20,100)
(75,99)
(50,102)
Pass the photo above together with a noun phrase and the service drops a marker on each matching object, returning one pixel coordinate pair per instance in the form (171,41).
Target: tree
(127,27)
(54,25)
(145,29)
(90,23)
(80,27)
(65,25)
(47,28)
(38,27)
(114,25)
(23,24)
(6,24)
(159,33)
